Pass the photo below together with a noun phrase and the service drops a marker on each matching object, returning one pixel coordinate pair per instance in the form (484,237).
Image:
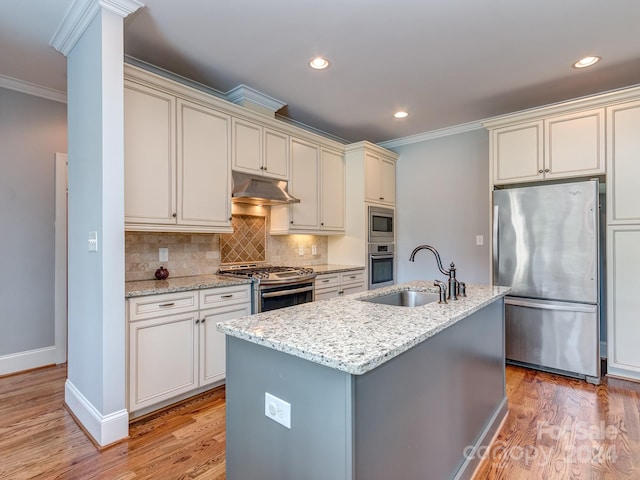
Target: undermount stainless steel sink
(405,298)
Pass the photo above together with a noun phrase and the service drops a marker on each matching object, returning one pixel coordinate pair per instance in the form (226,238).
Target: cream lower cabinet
(174,347)
(623,301)
(330,285)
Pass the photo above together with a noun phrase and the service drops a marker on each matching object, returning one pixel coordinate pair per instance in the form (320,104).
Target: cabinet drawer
(353,277)
(150,306)
(329,280)
(222,296)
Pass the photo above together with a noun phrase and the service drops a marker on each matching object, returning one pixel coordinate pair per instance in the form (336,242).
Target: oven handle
(283,293)
(383,256)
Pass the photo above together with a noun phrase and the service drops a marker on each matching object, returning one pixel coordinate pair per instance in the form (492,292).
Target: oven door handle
(282,293)
(381,256)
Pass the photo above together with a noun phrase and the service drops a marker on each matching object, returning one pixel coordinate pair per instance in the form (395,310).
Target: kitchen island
(375,391)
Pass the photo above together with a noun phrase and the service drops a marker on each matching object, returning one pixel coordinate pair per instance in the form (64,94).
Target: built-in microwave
(380,225)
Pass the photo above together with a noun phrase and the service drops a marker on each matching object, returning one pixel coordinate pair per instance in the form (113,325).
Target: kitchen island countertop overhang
(356,336)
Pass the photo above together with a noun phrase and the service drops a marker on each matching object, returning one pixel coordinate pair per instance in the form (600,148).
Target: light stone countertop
(140,288)
(331,268)
(347,334)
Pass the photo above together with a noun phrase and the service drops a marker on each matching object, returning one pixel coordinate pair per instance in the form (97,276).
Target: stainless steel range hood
(256,190)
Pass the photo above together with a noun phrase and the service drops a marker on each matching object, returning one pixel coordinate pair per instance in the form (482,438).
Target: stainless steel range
(275,286)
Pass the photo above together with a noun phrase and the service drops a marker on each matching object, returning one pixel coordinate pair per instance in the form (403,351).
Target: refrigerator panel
(553,335)
(546,241)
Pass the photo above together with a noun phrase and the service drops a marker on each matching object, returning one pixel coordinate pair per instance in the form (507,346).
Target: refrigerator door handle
(574,307)
(496,244)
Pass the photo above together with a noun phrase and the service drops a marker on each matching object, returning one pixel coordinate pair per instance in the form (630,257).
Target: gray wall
(32,130)
(442,199)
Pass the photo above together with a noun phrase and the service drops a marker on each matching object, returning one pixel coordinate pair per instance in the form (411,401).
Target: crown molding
(32,89)
(242,94)
(433,134)
(79,16)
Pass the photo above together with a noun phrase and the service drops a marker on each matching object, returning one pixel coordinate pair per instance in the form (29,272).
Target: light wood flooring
(557,428)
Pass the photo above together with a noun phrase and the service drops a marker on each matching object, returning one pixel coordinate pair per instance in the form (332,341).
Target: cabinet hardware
(291,222)
(174,215)
(167,304)
(265,167)
(540,171)
(322,223)
(546,170)
(230,295)
(204,320)
(381,198)
(325,281)
(230,218)
(197,321)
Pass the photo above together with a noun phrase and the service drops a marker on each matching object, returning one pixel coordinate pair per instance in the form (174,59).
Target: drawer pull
(163,305)
(352,277)
(325,281)
(230,295)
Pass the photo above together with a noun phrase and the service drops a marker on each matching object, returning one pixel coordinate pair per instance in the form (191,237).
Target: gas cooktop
(268,273)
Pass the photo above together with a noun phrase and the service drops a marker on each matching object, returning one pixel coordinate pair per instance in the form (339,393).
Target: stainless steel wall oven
(381,265)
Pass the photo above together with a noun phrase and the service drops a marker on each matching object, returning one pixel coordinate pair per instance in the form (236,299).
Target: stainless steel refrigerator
(546,247)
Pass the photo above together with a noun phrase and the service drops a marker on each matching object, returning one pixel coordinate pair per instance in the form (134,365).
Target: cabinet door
(212,342)
(623,163)
(388,181)
(332,191)
(304,185)
(517,153)
(203,166)
(247,147)
(373,175)
(353,288)
(574,144)
(162,359)
(623,301)
(149,153)
(276,154)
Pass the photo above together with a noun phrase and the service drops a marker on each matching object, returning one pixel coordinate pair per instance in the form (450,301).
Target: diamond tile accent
(248,241)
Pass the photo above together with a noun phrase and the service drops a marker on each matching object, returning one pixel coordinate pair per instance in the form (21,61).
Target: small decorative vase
(162,273)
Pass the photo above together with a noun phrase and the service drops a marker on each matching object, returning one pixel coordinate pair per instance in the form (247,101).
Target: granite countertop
(354,336)
(330,268)
(140,288)
(179,284)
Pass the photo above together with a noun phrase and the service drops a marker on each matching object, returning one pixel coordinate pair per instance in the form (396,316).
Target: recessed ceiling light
(586,62)
(318,63)
(401,114)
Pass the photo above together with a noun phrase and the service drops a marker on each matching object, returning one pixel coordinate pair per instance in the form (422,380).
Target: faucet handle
(463,288)
(443,290)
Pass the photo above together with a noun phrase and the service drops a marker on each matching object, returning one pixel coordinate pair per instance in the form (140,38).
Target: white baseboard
(18,362)
(105,429)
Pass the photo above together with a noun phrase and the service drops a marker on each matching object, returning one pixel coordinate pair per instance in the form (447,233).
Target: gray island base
(376,392)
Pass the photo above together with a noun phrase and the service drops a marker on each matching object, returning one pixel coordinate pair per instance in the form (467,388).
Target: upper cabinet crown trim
(582,103)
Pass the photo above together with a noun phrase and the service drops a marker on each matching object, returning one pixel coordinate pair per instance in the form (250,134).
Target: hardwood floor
(557,428)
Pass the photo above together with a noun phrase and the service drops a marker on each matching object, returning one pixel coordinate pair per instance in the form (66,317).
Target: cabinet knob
(291,222)
(381,198)
(322,223)
(203,320)
(197,321)
(230,218)
(174,215)
(261,167)
(264,167)
(540,171)
(546,170)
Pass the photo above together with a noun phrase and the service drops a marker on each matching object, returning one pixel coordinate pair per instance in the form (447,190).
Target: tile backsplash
(202,254)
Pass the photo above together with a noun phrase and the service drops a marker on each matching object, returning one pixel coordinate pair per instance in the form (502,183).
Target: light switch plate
(93,241)
(277,410)
(163,254)
(479,240)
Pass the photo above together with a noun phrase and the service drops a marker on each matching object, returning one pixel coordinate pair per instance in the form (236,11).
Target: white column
(91,36)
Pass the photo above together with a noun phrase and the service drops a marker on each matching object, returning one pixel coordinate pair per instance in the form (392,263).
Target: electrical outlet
(277,410)
(300,250)
(314,250)
(163,254)
(93,241)
(479,240)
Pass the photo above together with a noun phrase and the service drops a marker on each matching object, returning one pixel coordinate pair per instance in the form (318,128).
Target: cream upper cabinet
(623,163)
(177,163)
(318,180)
(150,156)
(259,150)
(303,185)
(380,179)
(204,191)
(562,146)
(332,190)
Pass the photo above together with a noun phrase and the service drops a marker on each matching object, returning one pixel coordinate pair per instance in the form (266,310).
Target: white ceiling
(447,62)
